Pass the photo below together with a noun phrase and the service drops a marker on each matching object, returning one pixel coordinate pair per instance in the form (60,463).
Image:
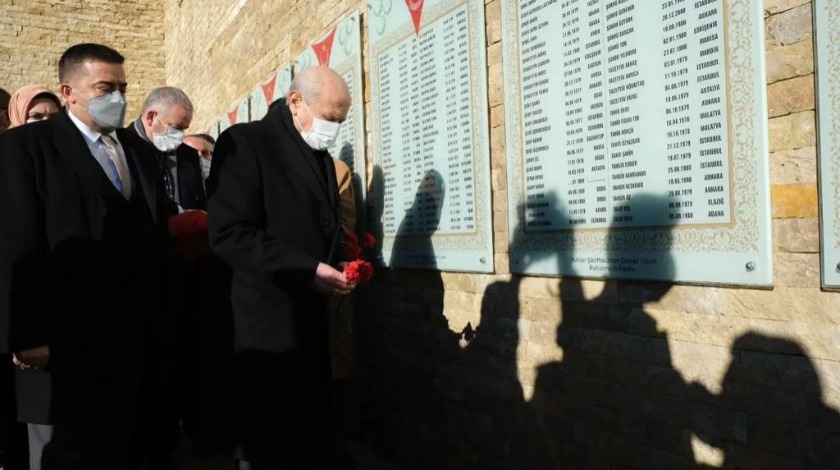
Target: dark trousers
(14,453)
(288,409)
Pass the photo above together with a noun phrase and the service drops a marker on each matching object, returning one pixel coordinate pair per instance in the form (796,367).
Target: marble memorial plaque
(637,139)
(341,50)
(827,43)
(430,133)
(273,88)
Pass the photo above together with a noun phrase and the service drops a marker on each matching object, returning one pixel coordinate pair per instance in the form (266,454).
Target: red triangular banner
(415,7)
(268,89)
(232,115)
(323,49)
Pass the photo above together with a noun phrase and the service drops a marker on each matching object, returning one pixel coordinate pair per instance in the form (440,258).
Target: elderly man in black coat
(274,217)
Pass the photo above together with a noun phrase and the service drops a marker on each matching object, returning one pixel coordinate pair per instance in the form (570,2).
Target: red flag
(323,49)
(268,88)
(415,7)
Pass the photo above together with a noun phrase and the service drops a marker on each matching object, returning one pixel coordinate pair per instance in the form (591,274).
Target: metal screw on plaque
(483,260)
(838,267)
(751,266)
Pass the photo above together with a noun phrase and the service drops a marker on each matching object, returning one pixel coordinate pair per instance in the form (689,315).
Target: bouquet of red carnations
(358,269)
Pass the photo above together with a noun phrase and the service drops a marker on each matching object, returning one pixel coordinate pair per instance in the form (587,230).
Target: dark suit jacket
(188,174)
(81,269)
(273,216)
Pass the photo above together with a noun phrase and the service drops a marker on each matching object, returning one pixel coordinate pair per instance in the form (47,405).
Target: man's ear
(66,92)
(149,117)
(294,100)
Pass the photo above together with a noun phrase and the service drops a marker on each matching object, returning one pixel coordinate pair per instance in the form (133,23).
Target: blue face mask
(107,111)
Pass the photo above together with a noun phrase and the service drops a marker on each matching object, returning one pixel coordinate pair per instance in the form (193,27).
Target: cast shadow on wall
(614,398)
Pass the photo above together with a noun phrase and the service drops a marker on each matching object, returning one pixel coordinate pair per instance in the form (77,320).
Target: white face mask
(107,111)
(31,120)
(169,140)
(322,134)
(205,167)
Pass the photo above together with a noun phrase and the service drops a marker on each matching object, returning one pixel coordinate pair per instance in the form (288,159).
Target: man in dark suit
(274,217)
(81,268)
(159,130)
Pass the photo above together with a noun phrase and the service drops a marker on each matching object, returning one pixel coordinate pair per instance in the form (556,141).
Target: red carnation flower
(358,271)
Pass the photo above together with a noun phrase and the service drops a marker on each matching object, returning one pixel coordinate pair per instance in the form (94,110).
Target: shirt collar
(86,131)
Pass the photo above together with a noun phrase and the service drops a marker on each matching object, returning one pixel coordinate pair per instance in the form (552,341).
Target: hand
(36,358)
(329,281)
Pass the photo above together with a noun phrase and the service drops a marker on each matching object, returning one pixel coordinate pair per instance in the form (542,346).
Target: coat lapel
(71,145)
(144,169)
(309,169)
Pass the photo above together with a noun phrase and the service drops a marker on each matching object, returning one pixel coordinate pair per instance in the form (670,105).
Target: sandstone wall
(498,371)
(34,34)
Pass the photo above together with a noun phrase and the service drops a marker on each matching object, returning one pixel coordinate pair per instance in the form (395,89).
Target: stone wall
(498,371)
(34,34)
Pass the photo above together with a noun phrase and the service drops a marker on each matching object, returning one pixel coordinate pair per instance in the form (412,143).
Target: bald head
(318,92)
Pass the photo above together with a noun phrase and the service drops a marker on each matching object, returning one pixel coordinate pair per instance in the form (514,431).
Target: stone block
(773,7)
(493,14)
(497,116)
(499,179)
(497,147)
(495,90)
(501,244)
(797,235)
(791,26)
(500,201)
(795,60)
(794,200)
(791,96)
(794,166)
(791,132)
(502,263)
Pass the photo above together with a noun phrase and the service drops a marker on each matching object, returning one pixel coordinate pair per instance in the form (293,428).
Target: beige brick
(500,221)
(797,235)
(791,96)
(499,178)
(791,26)
(772,7)
(497,147)
(495,91)
(502,263)
(494,54)
(797,270)
(493,13)
(795,60)
(497,116)
(794,166)
(792,132)
(794,200)
(500,242)
(500,200)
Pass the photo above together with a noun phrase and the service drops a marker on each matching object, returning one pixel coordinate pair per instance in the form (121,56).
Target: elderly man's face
(332,105)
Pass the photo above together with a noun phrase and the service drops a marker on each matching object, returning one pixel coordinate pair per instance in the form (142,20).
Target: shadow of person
(493,407)
(610,402)
(776,388)
(403,329)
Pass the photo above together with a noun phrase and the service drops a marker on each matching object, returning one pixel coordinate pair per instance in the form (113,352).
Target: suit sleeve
(236,216)
(23,248)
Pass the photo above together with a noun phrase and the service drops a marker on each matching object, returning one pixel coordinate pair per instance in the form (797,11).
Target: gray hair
(161,99)
(308,83)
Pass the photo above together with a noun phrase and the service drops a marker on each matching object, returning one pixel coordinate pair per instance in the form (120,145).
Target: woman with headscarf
(32,103)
